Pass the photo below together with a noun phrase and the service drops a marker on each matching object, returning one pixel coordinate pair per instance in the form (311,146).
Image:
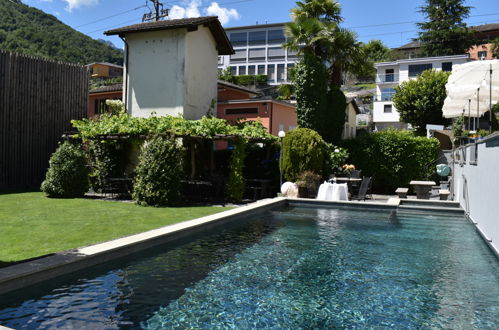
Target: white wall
(476,187)
(200,73)
(156,61)
(379,114)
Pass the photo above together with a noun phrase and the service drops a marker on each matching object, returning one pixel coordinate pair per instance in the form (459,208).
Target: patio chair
(364,188)
(354,185)
(356,174)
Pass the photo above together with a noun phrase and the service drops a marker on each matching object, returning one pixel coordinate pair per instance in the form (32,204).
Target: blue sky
(392,21)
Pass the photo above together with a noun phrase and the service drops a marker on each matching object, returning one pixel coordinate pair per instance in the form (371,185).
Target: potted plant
(308,184)
(348,168)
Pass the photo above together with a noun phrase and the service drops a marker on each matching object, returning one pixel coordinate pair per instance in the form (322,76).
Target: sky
(391,21)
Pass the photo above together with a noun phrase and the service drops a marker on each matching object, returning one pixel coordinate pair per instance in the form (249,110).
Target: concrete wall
(350,127)
(264,109)
(156,62)
(201,58)
(476,186)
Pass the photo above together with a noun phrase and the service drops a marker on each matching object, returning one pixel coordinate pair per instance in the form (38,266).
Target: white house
(391,74)
(258,50)
(170,66)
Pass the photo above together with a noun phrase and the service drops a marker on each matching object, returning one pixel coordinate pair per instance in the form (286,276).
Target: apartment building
(259,50)
(391,74)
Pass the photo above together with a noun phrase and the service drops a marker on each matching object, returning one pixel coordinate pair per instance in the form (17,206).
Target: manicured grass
(32,225)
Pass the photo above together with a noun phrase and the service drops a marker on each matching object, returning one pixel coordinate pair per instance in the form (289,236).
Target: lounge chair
(365,186)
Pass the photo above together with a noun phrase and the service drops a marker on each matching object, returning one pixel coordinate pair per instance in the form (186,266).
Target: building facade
(259,51)
(391,74)
(170,66)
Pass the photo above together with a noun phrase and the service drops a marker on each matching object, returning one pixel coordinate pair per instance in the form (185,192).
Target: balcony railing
(387,78)
(387,97)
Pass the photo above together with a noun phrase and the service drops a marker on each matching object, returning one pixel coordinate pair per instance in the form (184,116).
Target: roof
(191,24)
(424,59)
(238,87)
(256,26)
(410,45)
(106,63)
(259,100)
(354,104)
(486,27)
(107,89)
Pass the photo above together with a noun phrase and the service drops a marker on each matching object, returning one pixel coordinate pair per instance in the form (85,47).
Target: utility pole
(159,12)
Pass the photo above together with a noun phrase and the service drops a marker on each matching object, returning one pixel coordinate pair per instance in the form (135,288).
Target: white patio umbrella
(471,81)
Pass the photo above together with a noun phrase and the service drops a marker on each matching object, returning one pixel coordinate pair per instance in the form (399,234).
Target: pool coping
(28,273)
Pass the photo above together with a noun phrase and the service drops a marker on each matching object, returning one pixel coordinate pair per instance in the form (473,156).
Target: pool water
(295,267)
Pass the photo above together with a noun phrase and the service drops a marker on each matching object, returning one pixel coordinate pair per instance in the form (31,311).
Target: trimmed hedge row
(393,157)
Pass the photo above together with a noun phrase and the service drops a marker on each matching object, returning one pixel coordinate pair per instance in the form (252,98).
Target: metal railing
(387,78)
(383,98)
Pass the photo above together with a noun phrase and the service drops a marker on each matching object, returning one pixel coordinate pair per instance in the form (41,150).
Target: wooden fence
(38,98)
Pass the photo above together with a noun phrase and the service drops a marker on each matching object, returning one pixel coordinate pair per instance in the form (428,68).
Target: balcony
(391,78)
(385,97)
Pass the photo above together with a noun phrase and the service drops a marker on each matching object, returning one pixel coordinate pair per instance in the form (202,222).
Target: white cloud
(224,14)
(192,9)
(75,4)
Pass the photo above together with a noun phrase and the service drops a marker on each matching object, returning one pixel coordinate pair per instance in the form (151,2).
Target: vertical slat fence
(38,99)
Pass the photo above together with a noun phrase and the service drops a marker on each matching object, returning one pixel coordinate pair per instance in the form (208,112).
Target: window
(387,94)
(482,55)
(241,111)
(389,75)
(238,39)
(281,73)
(276,37)
(220,60)
(261,69)
(257,38)
(277,53)
(447,66)
(239,56)
(289,70)
(271,72)
(387,108)
(257,54)
(251,70)
(233,70)
(416,69)
(242,70)
(292,54)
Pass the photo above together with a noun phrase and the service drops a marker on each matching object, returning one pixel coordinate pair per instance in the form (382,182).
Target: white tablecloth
(333,192)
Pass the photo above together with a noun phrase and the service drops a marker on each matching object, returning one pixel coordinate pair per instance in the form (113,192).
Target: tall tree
(372,52)
(444,31)
(420,101)
(328,51)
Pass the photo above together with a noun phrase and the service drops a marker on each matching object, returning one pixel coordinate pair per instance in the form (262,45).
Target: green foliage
(101,82)
(335,158)
(236,185)
(285,91)
(315,31)
(308,179)
(394,157)
(134,126)
(108,160)
(246,80)
(302,150)
(495,48)
(67,175)
(225,75)
(28,30)
(158,174)
(333,119)
(444,32)
(374,51)
(420,101)
(458,128)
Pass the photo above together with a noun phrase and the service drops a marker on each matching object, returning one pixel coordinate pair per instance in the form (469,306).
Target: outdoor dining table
(423,188)
(333,192)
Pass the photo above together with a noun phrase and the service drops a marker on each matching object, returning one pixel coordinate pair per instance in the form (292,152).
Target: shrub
(236,184)
(67,175)
(158,174)
(393,157)
(303,150)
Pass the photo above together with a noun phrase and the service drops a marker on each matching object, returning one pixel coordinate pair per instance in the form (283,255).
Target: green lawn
(32,225)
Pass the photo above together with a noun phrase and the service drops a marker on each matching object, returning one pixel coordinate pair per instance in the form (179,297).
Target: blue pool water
(291,268)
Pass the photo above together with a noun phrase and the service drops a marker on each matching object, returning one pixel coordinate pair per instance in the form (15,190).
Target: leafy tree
(374,51)
(420,101)
(495,48)
(444,32)
(328,51)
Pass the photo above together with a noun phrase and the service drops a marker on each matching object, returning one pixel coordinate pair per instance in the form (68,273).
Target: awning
(463,86)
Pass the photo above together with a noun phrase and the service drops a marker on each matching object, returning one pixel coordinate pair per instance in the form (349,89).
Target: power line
(112,16)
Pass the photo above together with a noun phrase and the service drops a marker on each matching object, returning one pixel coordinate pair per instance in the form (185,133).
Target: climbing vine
(236,184)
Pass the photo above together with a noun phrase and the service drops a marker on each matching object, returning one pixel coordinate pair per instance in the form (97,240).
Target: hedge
(394,158)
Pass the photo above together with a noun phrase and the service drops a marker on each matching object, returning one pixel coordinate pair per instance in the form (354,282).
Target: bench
(444,194)
(402,192)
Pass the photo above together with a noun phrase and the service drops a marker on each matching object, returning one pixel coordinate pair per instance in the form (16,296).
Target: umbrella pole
(490,100)
(477,109)
(469,114)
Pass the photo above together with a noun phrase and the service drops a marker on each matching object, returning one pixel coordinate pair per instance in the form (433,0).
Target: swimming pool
(294,267)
